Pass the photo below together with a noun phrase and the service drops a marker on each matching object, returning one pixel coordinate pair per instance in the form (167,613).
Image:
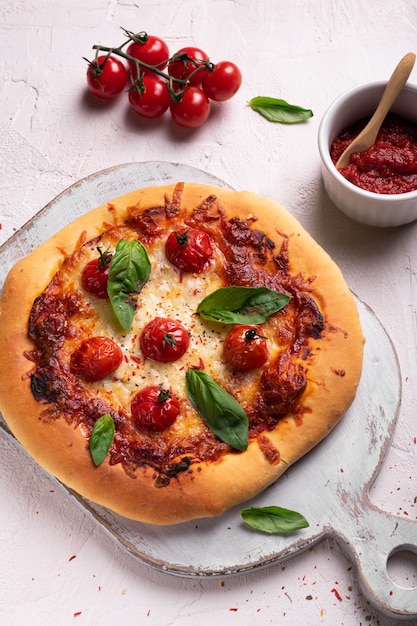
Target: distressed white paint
(307,52)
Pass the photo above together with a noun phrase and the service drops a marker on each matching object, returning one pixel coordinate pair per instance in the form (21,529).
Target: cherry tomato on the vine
(106,77)
(95,275)
(154,100)
(192,110)
(223,82)
(182,69)
(154,51)
(164,340)
(95,358)
(155,408)
(189,249)
(245,347)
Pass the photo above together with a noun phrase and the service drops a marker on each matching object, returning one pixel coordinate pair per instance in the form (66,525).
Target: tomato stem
(137,84)
(252,334)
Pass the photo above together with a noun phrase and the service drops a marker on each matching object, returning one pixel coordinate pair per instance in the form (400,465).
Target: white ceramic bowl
(361,205)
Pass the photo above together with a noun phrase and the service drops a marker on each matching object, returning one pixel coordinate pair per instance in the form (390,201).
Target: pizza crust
(206,489)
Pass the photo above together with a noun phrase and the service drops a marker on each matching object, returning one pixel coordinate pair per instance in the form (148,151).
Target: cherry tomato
(245,347)
(223,82)
(95,275)
(155,408)
(164,340)
(106,77)
(189,250)
(192,110)
(95,358)
(154,51)
(154,100)
(184,68)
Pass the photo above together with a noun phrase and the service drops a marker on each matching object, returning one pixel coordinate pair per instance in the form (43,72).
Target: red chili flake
(337,594)
(200,366)
(74,556)
(135,358)
(77,613)
(233,609)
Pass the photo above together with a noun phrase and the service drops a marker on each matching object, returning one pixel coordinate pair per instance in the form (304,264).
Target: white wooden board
(330,485)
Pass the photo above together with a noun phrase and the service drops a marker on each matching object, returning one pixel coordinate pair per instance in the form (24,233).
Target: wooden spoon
(367,136)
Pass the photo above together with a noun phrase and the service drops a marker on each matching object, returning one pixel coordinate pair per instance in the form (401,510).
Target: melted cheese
(174,295)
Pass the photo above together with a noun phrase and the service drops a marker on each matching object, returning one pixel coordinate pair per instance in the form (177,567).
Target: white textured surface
(306,52)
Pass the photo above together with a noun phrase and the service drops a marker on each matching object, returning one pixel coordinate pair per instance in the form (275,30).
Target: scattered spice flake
(74,556)
(233,609)
(337,594)
(77,613)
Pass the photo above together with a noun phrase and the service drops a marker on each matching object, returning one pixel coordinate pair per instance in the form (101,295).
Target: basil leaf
(101,438)
(241,305)
(129,270)
(273,519)
(221,411)
(276,110)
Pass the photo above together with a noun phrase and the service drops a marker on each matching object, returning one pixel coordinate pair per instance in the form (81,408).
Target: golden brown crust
(209,488)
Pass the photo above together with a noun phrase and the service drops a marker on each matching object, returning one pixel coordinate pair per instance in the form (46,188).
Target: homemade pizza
(170,354)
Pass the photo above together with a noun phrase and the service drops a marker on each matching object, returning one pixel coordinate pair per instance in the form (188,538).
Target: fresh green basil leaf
(274,519)
(277,110)
(129,270)
(101,438)
(220,411)
(241,305)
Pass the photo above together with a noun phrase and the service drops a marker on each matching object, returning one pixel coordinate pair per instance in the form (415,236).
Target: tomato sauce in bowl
(390,165)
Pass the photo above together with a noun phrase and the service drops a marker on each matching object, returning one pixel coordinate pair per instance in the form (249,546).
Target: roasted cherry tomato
(245,347)
(192,110)
(164,340)
(95,275)
(189,250)
(95,358)
(183,69)
(223,82)
(106,77)
(154,408)
(154,100)
(153,51)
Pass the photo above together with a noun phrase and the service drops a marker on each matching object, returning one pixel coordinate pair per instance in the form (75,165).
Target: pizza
(168,355)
